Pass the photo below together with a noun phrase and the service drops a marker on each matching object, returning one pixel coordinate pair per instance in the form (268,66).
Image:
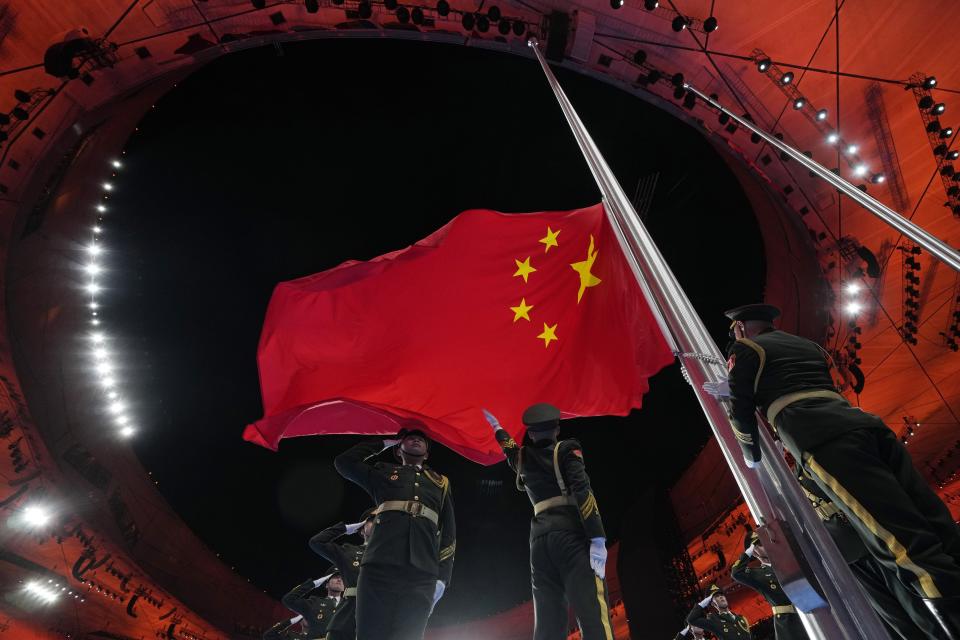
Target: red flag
(493,310)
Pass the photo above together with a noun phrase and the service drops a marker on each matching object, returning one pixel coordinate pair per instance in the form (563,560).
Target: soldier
(408,560)
(852,456)
(723,623)
(568,551)
(317,611)
(284,630)
(347,556)
(762,579)
(688,632)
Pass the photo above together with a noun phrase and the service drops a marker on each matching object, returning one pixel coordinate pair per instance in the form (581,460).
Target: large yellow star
(551,239)
(524,269)
(583,267)
(522,311)
(549,333)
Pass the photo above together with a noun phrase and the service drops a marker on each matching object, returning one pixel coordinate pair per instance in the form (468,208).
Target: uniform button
(416,484)
(418,473)
(416,497)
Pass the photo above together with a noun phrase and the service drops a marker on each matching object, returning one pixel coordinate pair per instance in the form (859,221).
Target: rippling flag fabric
(493,310)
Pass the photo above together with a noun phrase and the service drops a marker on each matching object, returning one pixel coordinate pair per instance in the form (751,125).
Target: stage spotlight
(940,149)
(953,155)
(101,208)
(860,170)
(938,108)
(678,92)
(494,13)
(852,149)
(42,592)
(930,82)
(94,249)
(390,5)
(314,5)
(853,288)
(21,96)
(953,191)
(417,15)
(755,138)
(20,113)
(799,103)
(710,25)
(654,77)
(933,126)
(616,4)
(116,164)
(107,186)
(763,65)
(786,78)
(690,100)
(639,56)
(833,137)
(822,114)
(519,27)
(878,178)
(443,8)
(36,515)
(650,5)
(403,15)
(504,27)
(468,21)
(946,133)
(127,431)
(723,118)
(677,80)
(258,4)
(853,308)
(483,24)
(947,170)
(364,10)
(679,24)
(925,102)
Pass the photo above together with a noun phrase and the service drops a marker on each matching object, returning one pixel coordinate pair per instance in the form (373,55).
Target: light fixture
(763,64)
(97,338)
(946,133)
(116,407)
(36,515)
(99,353)
(365,10)
(822,114)
(860,170)
(786,78)
(93,288)
(104,368)
(799,103)
(938,108)
(443,8)
(94,249)
(127,431)
(93,305)
(710,25)
(108,382)
(93,268)
(650,5)
(101,208)
(853,308)
(853,288)
(42,592)
(97,229)
(679,24)
(313,6)
(616,4)
(122,420)
(953,155)
(833,137)
(116,164)
(107,186)
(929,82)
(878,178)
(852,149)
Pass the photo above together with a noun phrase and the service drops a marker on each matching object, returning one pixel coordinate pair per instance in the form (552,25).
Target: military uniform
(565,519)
(726,626)
(347,558)
(317,611)
(762,579)
(283,630)
(852,456)
(412,546)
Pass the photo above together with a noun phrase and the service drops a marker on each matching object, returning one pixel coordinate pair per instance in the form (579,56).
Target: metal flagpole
(928,241)
(770,492)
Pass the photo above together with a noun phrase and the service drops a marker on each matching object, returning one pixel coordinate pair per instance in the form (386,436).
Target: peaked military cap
(541,417)
(714,590)
(764,312)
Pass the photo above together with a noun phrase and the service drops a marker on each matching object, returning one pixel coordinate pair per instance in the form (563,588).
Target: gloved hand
(296,620)
(320,581)
(356,526)
(598,556)
(749,551)
(438,593)
(706,602)
(492,420)
(750,463)
(719,389)
(389,443)
(685,631)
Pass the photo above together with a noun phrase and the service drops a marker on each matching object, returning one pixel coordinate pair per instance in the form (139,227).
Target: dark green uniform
(565,518)
(852,456)
(412,546)
(317,611)
(786,620)
(346,557)
(726,626)
(899,608)
(283,630)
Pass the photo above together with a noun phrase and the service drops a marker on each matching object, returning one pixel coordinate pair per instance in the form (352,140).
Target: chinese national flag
(493,310)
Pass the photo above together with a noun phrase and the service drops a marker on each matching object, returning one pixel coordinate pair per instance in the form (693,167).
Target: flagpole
(770,492)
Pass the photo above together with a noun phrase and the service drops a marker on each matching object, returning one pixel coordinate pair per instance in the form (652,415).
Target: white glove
(720,389)
(356,526)
(598,556)
(685,631)
(491,420)
(749,551)
(438,593)
(705,602)
(389,443)
(320,581)
(296,620)
(750,463)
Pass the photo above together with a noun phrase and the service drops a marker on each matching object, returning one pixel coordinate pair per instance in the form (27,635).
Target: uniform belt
(350,592)
(414,508)
(784,608)
(784,401)
(556,501)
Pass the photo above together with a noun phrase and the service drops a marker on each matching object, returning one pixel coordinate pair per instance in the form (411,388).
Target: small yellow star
(549,333)
(551,239)
(524,269)
(522,311)
(583,267)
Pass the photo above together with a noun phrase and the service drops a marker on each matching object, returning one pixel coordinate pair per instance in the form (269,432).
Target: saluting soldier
(347,557)
(568,551)
(786,621)
(852,456)
(408,560)
(722,622)
(284,630)
(317,610)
